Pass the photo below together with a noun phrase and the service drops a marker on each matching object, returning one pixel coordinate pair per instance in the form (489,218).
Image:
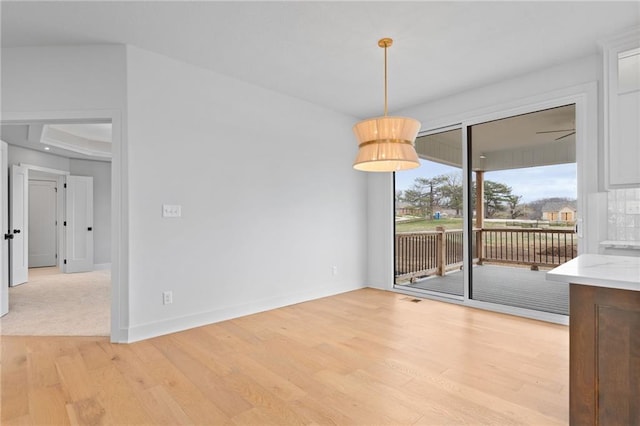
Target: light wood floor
(364,357)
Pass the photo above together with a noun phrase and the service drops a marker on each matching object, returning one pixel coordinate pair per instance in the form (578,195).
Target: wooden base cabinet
(604,356)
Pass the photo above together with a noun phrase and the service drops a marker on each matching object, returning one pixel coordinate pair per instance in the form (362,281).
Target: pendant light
(386,144)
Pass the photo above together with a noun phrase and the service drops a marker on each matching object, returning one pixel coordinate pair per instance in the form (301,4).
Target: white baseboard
(98,266)
(159,328)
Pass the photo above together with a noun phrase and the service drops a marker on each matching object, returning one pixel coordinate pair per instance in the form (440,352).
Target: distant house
(406,209)
(559,211)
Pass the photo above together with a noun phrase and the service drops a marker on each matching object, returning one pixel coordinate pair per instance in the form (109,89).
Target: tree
(495,195)
(426,194)
(515,209)
(450,188)
(445,191)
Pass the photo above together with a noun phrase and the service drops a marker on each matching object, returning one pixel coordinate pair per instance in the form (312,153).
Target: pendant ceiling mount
(385,42)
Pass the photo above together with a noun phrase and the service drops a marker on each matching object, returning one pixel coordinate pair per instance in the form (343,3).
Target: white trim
(60,179)
(45,169)
(172,325)
(60,218)
(101,266)
(428,294)
(59,117)
(493,307)
(521,312)
(74,148)
(433,131)
(119,206)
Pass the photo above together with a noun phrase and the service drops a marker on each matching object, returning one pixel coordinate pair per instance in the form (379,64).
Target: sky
(531,183)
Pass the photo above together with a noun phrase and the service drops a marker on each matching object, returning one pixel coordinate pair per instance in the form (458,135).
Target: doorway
(524,202)
(43,223)
(51,164)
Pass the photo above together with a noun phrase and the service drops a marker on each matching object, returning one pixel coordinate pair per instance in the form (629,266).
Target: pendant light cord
(385,43)
(385,80)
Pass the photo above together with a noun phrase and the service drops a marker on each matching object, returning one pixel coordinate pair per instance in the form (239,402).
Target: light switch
(171,210)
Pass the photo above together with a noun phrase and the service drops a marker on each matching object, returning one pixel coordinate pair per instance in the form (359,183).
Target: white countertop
(599,270)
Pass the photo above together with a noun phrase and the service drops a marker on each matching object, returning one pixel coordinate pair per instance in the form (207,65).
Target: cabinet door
(604,356)
(622,107)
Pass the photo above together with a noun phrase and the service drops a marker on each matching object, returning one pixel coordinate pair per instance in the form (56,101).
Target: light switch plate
(171,210)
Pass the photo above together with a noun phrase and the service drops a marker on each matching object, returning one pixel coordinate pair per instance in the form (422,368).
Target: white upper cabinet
(622,110)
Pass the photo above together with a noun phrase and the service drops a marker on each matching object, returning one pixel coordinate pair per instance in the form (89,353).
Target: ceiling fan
(571,132)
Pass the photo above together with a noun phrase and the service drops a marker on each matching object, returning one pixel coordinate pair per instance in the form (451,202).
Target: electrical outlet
(171,210)
(167,297)
(334,270)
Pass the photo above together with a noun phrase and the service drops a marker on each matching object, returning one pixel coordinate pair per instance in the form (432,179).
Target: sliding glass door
(517,217)
(429,217)
(524,206)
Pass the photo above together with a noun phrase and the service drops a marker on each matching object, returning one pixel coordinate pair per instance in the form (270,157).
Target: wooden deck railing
(541,247)
(423,253)
(420,254)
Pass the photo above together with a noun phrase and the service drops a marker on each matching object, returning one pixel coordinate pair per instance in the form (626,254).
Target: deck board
(505,285)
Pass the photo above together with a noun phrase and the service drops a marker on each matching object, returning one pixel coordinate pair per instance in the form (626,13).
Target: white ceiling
(535,139)
(100,132)
(326,52)
(86,141)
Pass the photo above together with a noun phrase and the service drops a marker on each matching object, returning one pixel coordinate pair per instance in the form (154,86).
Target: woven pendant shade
(386,144)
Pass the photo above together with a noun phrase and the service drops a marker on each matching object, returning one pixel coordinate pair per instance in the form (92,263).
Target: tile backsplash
(623,213)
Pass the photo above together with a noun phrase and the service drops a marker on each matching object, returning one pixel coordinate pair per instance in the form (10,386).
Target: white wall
(562,80)
(270,202)
(19,155)
(62,78)
(101,173)
(269,199)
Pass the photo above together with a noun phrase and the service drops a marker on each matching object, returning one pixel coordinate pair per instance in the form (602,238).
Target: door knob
(89,229)
(8,236)
(16,231)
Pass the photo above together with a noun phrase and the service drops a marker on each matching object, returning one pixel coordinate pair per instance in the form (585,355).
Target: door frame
(119,203)
(60,176)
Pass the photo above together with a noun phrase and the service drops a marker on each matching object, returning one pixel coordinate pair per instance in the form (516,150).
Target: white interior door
(19,246)
(78,224)
(42,223)
(4,225)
